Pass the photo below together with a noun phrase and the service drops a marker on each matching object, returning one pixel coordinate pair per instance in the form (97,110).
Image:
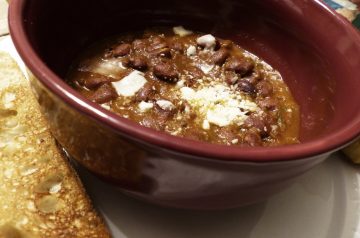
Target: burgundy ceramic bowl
(316,51)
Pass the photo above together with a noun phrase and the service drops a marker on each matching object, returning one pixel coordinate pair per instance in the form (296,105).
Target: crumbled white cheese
(165,104)
(206,68)
(145,106)
(129,85)
(207,41)
(224,115)
(247,105)
(206,125)
(219,104)
(180,84)
(235,141)
(181,31)
(109,67)
(191,50)
(187,93)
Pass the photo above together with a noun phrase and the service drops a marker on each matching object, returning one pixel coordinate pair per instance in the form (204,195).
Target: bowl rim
(151,137)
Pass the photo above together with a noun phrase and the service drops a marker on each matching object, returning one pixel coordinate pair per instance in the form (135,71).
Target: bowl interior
(312,53)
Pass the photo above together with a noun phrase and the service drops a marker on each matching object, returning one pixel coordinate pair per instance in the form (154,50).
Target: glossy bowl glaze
(315,50)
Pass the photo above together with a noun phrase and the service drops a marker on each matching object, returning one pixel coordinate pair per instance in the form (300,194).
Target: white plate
(323,203)
(3,17)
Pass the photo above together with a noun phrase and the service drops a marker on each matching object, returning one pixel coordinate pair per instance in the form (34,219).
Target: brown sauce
(190,85)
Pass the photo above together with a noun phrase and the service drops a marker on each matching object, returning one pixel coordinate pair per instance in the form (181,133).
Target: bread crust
(40,194)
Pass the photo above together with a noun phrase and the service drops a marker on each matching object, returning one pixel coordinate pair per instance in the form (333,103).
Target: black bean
(121,50)
(96,80)
(227,135)
(156,46)
(271,117)
(231,78)
(259,123)
(177,46)
(164,52)
(137,62)
(252,138)
(103,94)
(154,123)
(166,72)
(246,86)
(159,48)
(145,93)
(138,44)
(264,88)
(195,72)
(254,78)
(241,66)
(108,53)
(268,104)
(220,56)
(164,115)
